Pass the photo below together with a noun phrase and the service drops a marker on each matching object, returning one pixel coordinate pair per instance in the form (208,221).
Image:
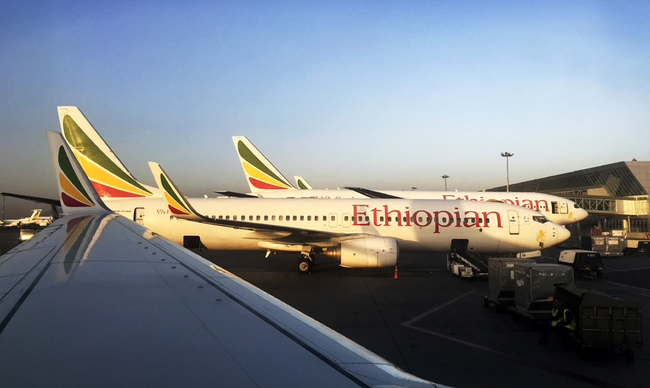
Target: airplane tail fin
(260,173)
(76,192)
(302,183)
(176,202)
(108,175)
(35,214)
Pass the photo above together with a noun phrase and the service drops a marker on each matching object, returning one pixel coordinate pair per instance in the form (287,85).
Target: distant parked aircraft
(267,181)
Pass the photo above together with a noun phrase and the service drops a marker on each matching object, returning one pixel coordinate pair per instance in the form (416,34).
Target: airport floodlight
(445,178)
(507,155)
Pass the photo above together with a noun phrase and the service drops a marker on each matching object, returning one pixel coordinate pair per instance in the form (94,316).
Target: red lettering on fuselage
(423,218)
(356,213)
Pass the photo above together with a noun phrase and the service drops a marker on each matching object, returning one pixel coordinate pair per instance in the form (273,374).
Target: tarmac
(434,325)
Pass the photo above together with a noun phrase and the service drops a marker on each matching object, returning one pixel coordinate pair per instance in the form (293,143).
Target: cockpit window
(540,219)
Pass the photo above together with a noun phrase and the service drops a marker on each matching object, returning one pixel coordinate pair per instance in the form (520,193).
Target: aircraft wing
(98,300)
(371,193)
(49,201)
(182,209)
(236,194)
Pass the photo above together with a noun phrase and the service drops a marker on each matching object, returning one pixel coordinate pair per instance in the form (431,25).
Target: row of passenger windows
(345,219)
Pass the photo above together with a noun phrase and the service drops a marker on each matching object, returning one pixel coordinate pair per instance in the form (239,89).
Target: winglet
(302,183)
(260,173)
(108,175)
(176,202)
(76,192)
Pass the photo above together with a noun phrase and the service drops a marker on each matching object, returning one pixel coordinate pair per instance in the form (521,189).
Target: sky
(378,94)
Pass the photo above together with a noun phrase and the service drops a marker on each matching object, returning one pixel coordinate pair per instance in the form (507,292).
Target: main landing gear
(306,263)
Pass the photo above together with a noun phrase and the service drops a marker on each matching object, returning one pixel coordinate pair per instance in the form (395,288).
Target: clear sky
(385,95)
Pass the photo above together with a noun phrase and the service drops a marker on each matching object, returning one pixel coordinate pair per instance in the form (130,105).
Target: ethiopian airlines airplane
(266,181)
(360,232)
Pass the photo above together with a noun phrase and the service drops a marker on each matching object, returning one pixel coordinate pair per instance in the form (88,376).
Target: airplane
(266,181)
(99,300)
(33,220)
(359,232)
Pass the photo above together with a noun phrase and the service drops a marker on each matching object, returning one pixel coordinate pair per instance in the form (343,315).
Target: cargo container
(602,321)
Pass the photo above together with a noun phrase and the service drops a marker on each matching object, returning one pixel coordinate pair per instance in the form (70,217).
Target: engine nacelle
(366,252)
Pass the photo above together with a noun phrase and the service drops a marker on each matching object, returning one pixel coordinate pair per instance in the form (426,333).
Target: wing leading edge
(98,300)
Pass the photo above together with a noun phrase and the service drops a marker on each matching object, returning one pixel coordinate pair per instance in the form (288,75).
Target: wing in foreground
(100,301)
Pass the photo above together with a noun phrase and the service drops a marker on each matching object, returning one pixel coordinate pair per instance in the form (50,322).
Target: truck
(582,261)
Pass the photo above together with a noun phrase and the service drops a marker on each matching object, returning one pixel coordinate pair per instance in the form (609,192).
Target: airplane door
(513,221)
(347,220)
(138,215)
(564,208)
(554,207)
(332,220)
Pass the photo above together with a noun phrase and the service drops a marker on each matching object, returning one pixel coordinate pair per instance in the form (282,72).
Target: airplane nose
(563,234)
(581,214)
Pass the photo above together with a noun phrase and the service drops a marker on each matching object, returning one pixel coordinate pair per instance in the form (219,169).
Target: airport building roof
(617,191)
(620,179)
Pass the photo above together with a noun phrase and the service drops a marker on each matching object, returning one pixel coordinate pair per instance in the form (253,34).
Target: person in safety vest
(563,324)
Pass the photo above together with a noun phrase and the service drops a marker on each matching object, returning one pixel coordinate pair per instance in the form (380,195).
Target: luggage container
(501,281)
(603,321)
(535,286)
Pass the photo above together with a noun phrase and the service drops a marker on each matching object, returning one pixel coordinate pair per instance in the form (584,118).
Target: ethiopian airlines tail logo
(107,177)
(259,174)
(73,194)
(174,202)
(541,235)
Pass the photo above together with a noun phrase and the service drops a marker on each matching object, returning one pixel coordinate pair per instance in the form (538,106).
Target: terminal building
(615,195)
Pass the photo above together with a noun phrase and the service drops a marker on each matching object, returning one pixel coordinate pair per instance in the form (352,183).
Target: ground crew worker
(563,324)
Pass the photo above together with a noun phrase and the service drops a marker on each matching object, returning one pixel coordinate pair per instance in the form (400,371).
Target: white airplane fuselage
(557,209)
(417,225)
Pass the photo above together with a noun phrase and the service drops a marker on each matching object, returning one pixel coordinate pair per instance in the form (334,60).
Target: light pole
(445,178)
(507,155)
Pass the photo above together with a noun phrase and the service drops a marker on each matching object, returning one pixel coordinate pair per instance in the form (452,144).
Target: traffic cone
(395,272)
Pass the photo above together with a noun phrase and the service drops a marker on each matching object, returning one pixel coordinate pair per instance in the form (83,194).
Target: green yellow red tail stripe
(109,177)
(260,173)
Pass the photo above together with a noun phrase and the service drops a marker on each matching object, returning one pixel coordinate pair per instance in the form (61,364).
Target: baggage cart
(603,321)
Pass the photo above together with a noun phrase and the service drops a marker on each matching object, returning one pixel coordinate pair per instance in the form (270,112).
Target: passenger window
(315,218)
(257,218)
(266,218)
(227,217)
(302,218)
(308,218)
(333,218)
(381,218)
(234,218)
(250,218)
(280,218)
(295,218)
(272,218)
(220,217)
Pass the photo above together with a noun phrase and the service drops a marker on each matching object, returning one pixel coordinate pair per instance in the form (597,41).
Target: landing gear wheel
(305,264)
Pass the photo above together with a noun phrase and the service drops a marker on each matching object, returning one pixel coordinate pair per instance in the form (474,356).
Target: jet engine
(366,252)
